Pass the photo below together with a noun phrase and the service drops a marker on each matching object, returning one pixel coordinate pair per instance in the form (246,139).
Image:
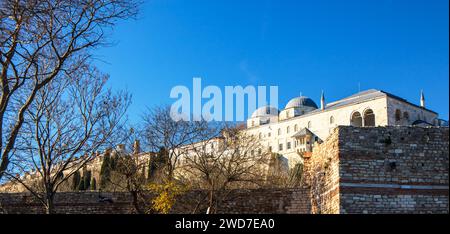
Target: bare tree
(162,132)
(70,120)
(39,41)
(279,175)
(234,159)
(129,176)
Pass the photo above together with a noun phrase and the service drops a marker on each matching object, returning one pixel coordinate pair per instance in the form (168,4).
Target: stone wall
(393,170)
(321,175)
(356,170)
(413,113)
(380,170)
(257,201)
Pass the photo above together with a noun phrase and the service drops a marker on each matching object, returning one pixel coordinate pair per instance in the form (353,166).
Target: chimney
(422,99)
(137,147)
(322,101)
(120,148)
(108,151)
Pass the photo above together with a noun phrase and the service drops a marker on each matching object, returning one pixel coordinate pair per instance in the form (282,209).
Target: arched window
(356,119)
(309,124)
(406,115)
(288,129)
(398,115)
(331,120)
(369,118)
(296,128)
(279,131)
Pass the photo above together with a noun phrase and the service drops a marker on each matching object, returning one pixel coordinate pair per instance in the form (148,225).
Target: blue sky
(301,46)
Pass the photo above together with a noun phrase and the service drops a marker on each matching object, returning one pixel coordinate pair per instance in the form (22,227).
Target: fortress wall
(393,170)
(238,202)
(321,175)
(356,170)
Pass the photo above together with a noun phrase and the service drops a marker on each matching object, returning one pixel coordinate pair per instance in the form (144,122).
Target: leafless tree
(40,40)
(69,121)
(162,132)
(279,175)
(234,159)
(129,176)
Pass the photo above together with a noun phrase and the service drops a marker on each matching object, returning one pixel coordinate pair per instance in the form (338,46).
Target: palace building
(293,131)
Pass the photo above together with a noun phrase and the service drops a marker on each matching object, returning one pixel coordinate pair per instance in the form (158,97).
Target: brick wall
(380,170)
(238,201)
(393,170)
(356,170)
(321,175)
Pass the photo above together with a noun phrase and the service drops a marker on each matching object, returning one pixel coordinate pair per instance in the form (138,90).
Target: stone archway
(356,119)
(369,118)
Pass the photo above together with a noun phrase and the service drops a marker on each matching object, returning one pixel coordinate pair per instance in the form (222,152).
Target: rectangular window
(280,147)
(288,145)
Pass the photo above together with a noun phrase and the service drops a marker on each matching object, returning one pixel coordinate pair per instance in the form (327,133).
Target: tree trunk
(136,205)
(49,206)
(211,201)
(135,198)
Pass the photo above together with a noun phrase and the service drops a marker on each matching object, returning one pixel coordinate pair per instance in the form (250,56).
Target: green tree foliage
(87,179)
(93,184)
(155,164)
(76,178)
(114,161)
(105,171)
(81,186)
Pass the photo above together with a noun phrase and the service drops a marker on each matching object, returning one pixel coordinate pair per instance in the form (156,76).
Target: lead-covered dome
(265,111)
(301,102)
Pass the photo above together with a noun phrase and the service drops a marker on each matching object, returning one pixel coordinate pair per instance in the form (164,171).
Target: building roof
(301,101)
(303,132)
(360,97)
(265,111)
(366,95)
(356,98)
(421,123)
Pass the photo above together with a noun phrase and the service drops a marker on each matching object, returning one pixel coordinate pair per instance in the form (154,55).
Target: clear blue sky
(401,46)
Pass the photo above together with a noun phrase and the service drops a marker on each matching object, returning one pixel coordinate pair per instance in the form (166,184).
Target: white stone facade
(280,130)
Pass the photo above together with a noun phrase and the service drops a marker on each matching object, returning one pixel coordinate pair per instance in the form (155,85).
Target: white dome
(301,101)
(265,111)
